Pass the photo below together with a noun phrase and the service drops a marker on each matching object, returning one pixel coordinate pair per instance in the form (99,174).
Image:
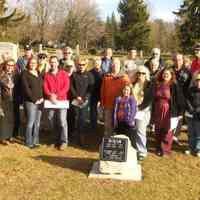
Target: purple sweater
(126,108)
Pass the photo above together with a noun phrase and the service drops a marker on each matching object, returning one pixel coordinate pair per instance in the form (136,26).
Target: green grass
(47,173)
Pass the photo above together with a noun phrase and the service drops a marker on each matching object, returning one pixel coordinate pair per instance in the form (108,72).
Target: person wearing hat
(23,60)
(193,119)
(20,67)
(195,67)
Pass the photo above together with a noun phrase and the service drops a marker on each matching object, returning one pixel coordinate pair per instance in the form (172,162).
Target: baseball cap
(197,46)
(27,47)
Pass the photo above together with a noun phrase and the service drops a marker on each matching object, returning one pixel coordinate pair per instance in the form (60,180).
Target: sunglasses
(67,52)
(10,65)
(81,64)
(42,57)
(141,73)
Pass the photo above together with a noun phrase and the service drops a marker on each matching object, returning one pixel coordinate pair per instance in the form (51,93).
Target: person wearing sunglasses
(7,87)
(81,87)
(43,65)
(142,91)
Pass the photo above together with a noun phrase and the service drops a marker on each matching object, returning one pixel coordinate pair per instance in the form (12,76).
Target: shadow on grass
(74,163)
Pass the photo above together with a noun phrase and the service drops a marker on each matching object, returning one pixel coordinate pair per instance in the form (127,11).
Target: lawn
(47,173)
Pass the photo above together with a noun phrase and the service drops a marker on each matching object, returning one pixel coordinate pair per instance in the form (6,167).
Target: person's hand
(39,101)
(80,100)
(53,98)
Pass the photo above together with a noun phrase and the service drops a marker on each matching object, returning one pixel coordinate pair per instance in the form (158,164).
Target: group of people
(132,96)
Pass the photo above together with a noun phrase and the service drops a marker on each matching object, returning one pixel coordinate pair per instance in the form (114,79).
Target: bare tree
(83,18)
(47,13)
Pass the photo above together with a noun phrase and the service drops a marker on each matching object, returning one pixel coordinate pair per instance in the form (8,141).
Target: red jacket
(111,88)
(57,84)
(195,67)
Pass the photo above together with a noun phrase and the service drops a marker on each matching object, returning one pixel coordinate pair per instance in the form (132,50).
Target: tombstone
(8,49)
(118,160)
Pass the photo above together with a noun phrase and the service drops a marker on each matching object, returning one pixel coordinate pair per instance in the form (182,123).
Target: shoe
(4,142)
(159,153)
(198,154)
(37,145)
(188,152)
(141,158)
(62,147)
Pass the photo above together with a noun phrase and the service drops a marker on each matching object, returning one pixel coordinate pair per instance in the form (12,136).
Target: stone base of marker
(129,170)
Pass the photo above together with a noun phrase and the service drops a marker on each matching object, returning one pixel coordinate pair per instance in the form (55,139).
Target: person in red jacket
(56,87)
(195,67)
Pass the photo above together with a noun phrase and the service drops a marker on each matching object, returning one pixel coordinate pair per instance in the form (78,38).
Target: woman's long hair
(6,62)
(29,61)
(159,78)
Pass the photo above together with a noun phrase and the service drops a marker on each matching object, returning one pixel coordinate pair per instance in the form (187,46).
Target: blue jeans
(33,115)
(193,134)
(58,123)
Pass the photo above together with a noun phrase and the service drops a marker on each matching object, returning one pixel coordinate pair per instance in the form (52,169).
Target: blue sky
(158,8)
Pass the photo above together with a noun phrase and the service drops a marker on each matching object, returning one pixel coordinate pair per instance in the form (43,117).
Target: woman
(142,91)
(32,84)
(7,78)
(168,103)
(124,113)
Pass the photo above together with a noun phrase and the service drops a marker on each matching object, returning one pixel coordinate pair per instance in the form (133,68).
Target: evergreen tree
(189,24)
(134,29)
(71,32)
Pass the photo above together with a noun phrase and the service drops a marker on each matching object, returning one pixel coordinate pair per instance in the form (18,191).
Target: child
(124,113)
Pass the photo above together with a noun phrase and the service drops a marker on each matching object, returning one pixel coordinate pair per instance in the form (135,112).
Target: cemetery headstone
(118,160)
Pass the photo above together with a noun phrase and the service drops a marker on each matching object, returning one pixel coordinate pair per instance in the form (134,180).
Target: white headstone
(127,170)
(8,49)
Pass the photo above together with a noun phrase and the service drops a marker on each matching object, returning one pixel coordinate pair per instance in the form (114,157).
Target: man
(22,61)
(156,55)
(56,87)
(183,77)
(111,87)
(195,67)
(107,61)
(20,67)
(67,56)
(95,95)
(81,87)
(130,65)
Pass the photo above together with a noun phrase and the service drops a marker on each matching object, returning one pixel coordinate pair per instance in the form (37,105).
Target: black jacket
(32,87)
(81,84)
(193,102)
